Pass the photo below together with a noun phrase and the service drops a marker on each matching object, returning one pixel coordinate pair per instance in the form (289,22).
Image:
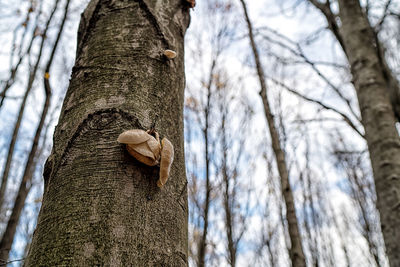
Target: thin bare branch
(385,14)
(300,53)
(321,104)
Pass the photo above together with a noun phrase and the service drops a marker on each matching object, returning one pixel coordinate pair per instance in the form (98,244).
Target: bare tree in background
(378,97)
(296,250)
(272,248)
(230,187)
(18,53)
(17,125)
(202,201)
(201,103)
(235,163)
(25,185)
(352,163)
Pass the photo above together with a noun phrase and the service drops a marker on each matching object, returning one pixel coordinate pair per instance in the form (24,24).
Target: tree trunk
(24,188)
(202,246)
(296,250)
(377,117)
(227,197)
(100,205)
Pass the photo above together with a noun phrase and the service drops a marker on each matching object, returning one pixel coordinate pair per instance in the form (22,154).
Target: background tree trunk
(25,185)
(202,246)
(100,205)
(296,250)
(377,117)
(17,125)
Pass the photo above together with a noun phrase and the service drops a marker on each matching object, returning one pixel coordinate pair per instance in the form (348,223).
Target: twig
(344,116)
(4,263)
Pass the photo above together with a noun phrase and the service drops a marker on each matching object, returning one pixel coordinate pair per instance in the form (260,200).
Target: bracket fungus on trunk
(146,148)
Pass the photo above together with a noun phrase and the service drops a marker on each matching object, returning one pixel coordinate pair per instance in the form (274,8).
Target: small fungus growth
(170,54)
(146,148)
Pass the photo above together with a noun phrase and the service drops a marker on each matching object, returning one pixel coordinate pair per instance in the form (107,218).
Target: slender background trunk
(227,196)
(202,247)
(296,250)
(100,205)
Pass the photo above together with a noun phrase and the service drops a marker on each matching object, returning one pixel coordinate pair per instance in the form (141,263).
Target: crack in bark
(154,21)
(96,68)
(182,193)
(51,169)
(184,188)
(88,20)
(182,256)
(182,206)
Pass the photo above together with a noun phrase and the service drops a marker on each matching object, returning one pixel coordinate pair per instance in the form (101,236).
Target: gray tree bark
(378,97)
(100,205)
(378,118)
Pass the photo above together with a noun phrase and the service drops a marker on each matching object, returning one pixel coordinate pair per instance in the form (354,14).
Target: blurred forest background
(242,211)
